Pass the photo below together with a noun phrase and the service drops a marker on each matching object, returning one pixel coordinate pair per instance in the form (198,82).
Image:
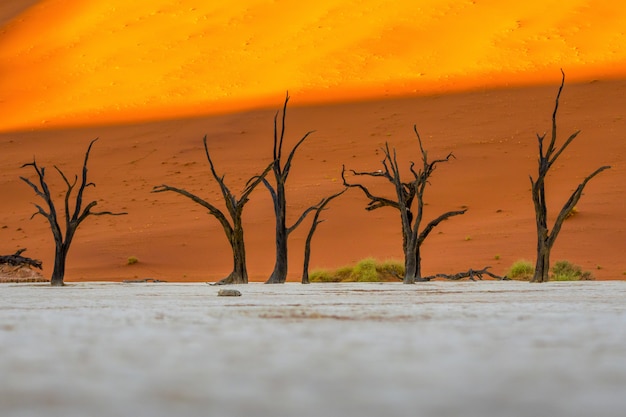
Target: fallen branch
(138,281)
(471,274)
(18,260)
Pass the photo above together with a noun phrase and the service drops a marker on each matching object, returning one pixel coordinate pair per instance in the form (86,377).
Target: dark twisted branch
(17,260)
(547,157)
(321,206)
(73,216)
(472,274)
(406,194)
(233,228)
(279,198)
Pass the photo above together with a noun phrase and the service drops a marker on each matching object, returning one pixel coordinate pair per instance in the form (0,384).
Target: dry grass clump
(567,271)
(521,270)
(367,270)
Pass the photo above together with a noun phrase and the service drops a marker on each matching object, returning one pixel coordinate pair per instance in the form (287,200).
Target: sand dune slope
(68,62)
(491,132)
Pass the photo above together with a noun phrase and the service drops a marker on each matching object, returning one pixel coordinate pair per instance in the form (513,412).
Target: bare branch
(282,131)
(565,145)
(571,202)
(210,207)
(287,166)
(18,260)
(303,216)
(34,187)
(376,202)
(556,108)
(471,273)
(434,223)
(83,184)
(254,182)
(270,189)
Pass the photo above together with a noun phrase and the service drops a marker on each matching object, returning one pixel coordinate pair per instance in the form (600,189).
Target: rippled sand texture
(67,62)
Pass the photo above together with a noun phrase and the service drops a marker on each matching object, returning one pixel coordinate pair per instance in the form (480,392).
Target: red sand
(491,132)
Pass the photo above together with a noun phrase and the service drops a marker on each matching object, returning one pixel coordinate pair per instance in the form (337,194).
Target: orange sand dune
(72,62)
(360,73)
(491,132)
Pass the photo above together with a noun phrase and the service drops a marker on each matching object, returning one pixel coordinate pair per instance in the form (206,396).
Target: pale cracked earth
(431,349)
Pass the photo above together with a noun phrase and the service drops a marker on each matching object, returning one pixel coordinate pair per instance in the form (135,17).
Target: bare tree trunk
(279,274)
(411,265)
(234,206)
(73,216)
(58,273)
(542,266)
(281,173)
(316,221)
(406,193)
(239,274)
(547,158)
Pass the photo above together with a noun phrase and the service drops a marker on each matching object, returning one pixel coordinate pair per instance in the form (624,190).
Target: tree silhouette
(72,221)
(547,158)
(233,228)
(321,206)
(406,194)
(279,197)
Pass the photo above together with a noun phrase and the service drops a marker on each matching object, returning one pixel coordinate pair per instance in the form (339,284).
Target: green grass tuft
(321,275)
(366,270)
(567,271)
(132,260)
(521,270)
(390,270)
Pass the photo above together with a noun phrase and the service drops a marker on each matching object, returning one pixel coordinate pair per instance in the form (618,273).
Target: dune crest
(70,62)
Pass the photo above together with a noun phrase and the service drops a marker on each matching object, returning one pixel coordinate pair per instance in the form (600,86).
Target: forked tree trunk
(234,206)
(407,194)
(281,173)
(547,158)
(316,221)
(73,216)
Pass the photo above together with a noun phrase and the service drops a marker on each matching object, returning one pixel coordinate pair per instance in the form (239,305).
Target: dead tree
(316,221)
(472,274)
(73,217)
(279,198)
(547,158)
(233,228)
(406,194)
(18,260)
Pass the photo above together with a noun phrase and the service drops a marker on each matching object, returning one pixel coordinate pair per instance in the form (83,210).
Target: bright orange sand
(68,62)
(63,65)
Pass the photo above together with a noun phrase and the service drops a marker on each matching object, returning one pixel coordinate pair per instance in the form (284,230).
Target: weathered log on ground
(18,260)
(471,274)
(138,281)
